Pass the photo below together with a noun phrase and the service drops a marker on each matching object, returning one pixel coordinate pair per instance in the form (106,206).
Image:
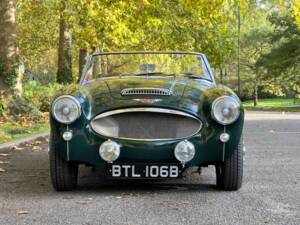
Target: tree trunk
(238,49)
(221,74)
(255,97)
(64,71)
(82,60)
(9,75)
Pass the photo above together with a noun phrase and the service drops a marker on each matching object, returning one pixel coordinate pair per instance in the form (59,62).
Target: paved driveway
(270,192)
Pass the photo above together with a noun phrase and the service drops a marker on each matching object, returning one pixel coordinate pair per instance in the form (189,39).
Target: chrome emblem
(147,100)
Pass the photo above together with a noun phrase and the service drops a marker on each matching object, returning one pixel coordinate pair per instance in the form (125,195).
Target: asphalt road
(270,192)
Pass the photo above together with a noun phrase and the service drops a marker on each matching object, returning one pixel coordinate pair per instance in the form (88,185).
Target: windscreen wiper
(146,74)
(193,76)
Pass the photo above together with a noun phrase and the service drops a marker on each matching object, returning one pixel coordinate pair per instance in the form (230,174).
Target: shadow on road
(27,173)
(94,182)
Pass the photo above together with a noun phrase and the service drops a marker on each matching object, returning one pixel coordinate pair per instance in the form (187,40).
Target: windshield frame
(201,55)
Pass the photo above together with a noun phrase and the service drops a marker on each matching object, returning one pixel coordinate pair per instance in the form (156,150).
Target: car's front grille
(146,124)
(146,91)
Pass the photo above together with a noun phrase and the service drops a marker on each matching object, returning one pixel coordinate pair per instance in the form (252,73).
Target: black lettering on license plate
(145,171)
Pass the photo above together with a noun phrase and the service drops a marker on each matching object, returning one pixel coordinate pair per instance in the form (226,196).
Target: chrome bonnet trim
(155,110)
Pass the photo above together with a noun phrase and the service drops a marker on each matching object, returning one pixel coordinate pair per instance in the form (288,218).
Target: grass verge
(278,104)
(12,131)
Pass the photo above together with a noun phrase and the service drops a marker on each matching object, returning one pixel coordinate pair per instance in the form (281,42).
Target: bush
(39,95)
(36,100)
(19,107)
(14,107)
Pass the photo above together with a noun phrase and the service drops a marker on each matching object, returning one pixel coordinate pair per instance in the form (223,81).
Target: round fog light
(109,151)
(224,137)
(184,151)
(67,135)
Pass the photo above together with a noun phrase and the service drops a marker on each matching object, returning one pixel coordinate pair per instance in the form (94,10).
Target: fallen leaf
(23,212)
(83,202)
(36,148)
(2,170)
(17,148)
(37,142)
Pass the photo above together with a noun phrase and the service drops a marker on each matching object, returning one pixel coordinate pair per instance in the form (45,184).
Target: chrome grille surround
(187,119)
(146,91)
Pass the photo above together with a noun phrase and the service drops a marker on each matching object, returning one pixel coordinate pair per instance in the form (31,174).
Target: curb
(9,145)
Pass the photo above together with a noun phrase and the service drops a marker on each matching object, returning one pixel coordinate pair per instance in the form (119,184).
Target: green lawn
(276,104)
(11,131)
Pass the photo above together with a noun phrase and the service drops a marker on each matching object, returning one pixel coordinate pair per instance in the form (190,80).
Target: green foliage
(38,26)
(3,104)
(69,89)
(282,62)
(19,107)
(39,95)
(208,26)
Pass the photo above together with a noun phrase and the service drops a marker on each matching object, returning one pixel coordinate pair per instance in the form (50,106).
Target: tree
(282,62)
(38,36)
(64,65)
(254,44)
(8,45)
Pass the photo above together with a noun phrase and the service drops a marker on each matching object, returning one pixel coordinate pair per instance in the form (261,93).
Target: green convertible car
(147,115)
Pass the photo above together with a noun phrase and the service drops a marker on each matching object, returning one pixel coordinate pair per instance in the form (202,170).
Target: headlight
(109,151)
(225,110)
(66,109)
(184,151)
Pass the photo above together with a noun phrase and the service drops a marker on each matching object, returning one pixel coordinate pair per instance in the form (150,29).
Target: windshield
(146,64)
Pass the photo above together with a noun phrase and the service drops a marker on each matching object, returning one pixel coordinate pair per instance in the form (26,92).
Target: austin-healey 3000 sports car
(147,115)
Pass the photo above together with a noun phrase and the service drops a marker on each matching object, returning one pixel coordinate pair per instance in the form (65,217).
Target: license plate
(145,171)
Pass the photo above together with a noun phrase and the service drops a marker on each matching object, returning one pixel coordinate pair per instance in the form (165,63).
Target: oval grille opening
(146,124)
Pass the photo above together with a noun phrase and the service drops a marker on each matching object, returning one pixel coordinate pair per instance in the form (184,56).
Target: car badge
(147,100)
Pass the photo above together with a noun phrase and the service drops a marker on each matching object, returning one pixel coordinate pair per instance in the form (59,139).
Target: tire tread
(63,174)
(230,173)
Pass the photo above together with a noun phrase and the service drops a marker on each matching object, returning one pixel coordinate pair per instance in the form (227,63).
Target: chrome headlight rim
(186,145)
(115,150)
(77,103)
(222,98)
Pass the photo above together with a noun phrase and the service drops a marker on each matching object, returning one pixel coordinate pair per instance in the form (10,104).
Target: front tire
(229,173)
(63,174)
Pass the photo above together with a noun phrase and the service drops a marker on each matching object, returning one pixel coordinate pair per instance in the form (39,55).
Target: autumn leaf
(23,212)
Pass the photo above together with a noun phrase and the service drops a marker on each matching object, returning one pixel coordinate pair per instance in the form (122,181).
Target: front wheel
(229,173)
(63,174)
